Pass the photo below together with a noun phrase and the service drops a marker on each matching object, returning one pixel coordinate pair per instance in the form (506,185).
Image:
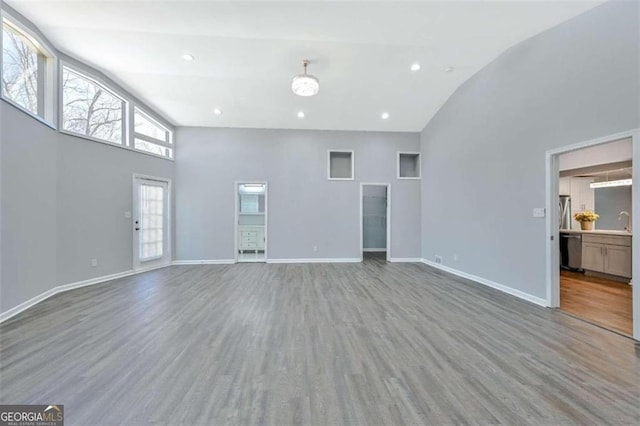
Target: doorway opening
(151,222)
(251,221)
(590,224)
(375,220)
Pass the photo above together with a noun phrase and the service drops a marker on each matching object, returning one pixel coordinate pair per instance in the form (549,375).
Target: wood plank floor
(370,343)
(598,300)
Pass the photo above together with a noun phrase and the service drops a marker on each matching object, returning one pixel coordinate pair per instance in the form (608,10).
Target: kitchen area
(596,233)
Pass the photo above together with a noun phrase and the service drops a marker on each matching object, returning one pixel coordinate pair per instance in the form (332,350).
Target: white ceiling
(247,52)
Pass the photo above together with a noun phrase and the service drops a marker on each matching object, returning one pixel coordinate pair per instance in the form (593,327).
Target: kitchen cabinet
(610,254)
(582,197)
(617,260)
(565,186)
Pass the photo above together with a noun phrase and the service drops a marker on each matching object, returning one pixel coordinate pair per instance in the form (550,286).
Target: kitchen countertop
(596,231)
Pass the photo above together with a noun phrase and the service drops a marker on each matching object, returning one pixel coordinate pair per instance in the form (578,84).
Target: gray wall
(484,152)
(305,209)
(609,202)
(28,229)
(63,203)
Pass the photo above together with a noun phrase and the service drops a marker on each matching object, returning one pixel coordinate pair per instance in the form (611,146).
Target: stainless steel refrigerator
(570,242)
(565,212)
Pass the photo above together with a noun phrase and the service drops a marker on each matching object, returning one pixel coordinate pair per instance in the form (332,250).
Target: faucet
(623,213)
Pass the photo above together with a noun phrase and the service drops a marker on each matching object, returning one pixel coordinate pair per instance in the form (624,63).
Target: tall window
(24,69)
(151,136)
(89,109)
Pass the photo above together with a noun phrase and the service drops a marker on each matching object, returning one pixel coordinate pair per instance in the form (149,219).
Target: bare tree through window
(151,136)
(89,109)
(19,69)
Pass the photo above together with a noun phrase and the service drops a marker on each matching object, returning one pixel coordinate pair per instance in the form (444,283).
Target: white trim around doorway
(236,218)
(552,176)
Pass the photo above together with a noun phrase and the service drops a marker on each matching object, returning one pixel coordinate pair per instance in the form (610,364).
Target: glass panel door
(151,246)
(151,222)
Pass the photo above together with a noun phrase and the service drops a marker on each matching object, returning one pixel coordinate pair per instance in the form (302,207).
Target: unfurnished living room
(319,213)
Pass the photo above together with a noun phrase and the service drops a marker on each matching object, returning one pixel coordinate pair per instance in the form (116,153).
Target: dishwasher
(571,251)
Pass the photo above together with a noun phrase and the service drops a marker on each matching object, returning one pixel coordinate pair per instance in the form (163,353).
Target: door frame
(361,201)
(236,216)
(552,182)
(136,266)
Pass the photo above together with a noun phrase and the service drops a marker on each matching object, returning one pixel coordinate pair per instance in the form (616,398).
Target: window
(408,165)
(151,136)
(340,165)
(89,109)
(81,104)
(26,66)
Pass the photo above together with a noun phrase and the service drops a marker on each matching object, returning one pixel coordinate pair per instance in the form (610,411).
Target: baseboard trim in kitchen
(405,260)
(505,289)
(204,262)
(71,286)
(330,260)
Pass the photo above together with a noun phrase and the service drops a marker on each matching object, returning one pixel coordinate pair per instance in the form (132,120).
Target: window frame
(167,143)
(107,87)
(47,91)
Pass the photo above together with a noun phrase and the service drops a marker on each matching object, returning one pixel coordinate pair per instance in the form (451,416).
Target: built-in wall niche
(340,165)
(408,165)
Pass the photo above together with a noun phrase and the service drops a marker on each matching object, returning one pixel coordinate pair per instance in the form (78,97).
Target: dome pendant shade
(305,84)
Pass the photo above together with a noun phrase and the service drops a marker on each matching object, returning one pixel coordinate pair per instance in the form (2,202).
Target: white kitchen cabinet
(610,254)
(565,186)
(582,197)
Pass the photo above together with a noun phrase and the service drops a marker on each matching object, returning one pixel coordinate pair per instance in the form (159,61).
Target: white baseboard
(332,260)
(374,250)
(71,286)
(506,289)
(406,259)
(204,262)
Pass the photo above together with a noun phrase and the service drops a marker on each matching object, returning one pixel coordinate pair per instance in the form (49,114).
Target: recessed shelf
(340,164)
(409,165)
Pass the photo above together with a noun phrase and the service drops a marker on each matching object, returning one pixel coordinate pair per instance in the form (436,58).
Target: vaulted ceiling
(246,54)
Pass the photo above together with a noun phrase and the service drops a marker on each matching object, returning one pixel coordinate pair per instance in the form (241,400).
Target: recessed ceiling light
(217,111)
(300,114)
(385,115)
(449,69)
(188,57)
(415,67)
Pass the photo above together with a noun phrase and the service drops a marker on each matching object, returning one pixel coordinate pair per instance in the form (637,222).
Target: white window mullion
(152,140)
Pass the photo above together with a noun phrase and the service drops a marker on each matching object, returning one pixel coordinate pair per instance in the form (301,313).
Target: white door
(150,223)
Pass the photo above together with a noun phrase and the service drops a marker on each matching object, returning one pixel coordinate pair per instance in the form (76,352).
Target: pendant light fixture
(611,183)
(305,84)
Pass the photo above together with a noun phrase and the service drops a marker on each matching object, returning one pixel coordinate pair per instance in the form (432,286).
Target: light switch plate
(538,212)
